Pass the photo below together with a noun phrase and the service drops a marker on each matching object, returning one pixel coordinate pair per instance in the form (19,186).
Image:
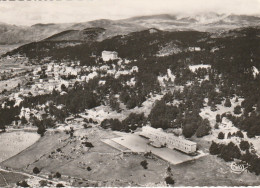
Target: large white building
(158,136)
(109,55)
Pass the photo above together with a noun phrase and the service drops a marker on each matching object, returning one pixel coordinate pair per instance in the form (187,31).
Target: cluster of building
(49,77)
(160,138)
(27,113)
(44,79)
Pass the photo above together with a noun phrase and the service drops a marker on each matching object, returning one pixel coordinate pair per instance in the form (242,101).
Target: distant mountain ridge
(210,22)
(85,35)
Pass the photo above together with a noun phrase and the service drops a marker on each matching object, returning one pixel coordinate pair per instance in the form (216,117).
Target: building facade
(108,55)
(169,140)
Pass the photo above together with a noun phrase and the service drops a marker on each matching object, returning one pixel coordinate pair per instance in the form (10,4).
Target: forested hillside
(231,60)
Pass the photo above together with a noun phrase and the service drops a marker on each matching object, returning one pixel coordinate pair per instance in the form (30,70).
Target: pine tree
(221,135)
(237,109)
(218,118)
(227,103)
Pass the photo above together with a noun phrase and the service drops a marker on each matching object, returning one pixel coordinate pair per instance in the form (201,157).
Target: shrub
(148,154)
(36,170)
(213,107)
(229,152)
(244,145)
(58,150)
(253,131)
(57,175)
(169,180)
(41,130)
(218,118)
(144,164)
(88,168)
(22,184)
(50,177)
(60,185)
(253,160)
(86,126)
(63,87)
(203,130)
(23,120)
(114,104)
(43,183)
(114,124)
(4,91)
(88,144)
(162,115)
(189,130)
(237,109)
(221,135)
(71,132)
(134,120)
(239,134)
(227,103)
(229,135)
(215,148)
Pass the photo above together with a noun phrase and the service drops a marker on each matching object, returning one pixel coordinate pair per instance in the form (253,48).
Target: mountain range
(210,22)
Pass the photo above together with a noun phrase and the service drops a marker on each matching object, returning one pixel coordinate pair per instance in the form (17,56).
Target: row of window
(177,145)
(170,139)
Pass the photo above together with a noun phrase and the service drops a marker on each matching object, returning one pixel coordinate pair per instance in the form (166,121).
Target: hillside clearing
(15,142)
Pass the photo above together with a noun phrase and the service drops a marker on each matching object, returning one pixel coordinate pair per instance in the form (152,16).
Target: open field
(15,142)
(17,65)
(10,83)
(73,160)
(210,171)
(104,165)
(8,47)
(34,152)
(12,73)
(7,178)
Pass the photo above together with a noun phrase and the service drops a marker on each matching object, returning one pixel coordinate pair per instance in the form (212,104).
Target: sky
(29,12)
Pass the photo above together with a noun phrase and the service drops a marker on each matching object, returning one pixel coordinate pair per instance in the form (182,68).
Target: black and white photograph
(129,93)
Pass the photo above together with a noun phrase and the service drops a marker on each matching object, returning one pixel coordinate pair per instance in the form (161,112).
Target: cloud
(31,12)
